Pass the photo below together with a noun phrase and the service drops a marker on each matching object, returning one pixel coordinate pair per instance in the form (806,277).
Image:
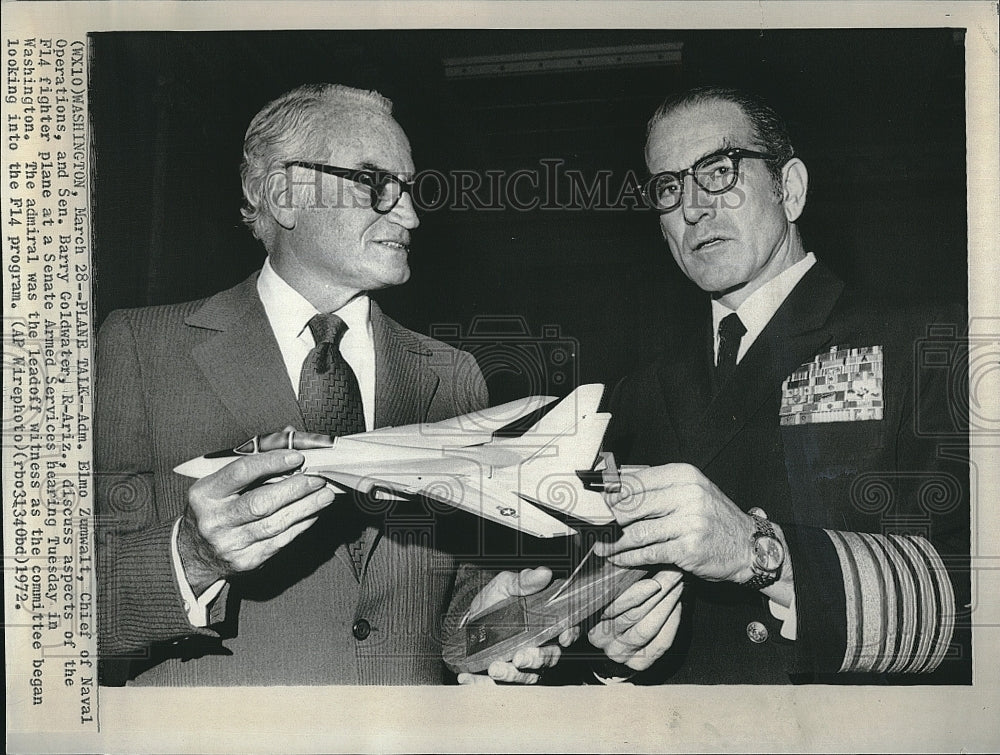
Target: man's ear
(794,185)
(278,191)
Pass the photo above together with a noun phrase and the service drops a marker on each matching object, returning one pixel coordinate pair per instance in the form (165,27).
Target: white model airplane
(467,463)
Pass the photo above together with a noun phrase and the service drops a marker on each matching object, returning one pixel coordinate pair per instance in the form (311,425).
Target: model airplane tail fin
(570,435)
(564,417)
(549,477)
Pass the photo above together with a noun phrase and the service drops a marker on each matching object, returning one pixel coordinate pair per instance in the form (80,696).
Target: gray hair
(769,128)
(286,129)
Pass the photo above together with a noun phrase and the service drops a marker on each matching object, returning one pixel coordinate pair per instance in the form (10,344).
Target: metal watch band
(761,579)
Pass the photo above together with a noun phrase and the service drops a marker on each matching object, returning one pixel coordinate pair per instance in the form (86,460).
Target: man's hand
(228,528)
(526,664)
(640,624)
(673,514)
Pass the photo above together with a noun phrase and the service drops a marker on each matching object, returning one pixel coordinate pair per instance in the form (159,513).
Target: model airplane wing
(467,430)
(456,482)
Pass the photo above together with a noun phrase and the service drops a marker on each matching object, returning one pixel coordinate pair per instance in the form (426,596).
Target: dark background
(878,116)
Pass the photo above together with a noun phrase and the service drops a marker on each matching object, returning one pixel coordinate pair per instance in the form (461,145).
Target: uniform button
(757,632)
(361,629)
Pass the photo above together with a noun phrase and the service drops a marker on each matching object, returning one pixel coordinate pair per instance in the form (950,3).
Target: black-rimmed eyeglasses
(385,188)
(715,173)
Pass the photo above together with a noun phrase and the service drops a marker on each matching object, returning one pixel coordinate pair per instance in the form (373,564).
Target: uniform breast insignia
(841,385)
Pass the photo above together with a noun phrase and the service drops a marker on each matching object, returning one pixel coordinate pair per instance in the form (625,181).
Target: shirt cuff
(787,617)
(197,608)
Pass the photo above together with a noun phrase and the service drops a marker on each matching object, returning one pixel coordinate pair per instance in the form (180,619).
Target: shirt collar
(289,312)
(758,309)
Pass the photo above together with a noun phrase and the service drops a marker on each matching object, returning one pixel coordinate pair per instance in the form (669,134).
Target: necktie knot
(732,326)
(327,328)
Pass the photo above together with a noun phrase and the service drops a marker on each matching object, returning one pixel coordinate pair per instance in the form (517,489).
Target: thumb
(530,581)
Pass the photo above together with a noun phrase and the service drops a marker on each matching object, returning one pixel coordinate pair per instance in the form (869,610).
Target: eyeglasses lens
(715,174)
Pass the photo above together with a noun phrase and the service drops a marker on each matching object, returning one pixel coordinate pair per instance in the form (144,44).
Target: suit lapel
(243,364)
(795,334)
(685,375)
(404,384)
(404,389)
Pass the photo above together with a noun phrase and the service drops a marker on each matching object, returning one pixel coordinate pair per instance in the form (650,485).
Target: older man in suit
(229,581)
(797,478)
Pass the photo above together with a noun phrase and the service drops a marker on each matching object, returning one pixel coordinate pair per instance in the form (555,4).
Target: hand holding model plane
(233,523)
(483,463)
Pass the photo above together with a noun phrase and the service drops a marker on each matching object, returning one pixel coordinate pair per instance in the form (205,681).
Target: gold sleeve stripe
(907,627)
(926,603)
(946,600)
(899,620)
(900,607)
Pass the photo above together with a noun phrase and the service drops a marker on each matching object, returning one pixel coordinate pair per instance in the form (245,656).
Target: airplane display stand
(498,632)
(521,622)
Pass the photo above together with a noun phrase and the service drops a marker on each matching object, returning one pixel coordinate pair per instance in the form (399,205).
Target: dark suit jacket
(178,381)
(905,474)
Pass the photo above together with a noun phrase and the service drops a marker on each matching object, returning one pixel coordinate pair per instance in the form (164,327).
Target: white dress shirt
(289,313)
(755,313)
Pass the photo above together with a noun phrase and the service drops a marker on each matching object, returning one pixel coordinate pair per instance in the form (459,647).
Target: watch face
(768,553)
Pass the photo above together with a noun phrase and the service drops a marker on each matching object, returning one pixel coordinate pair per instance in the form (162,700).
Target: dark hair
(769,128)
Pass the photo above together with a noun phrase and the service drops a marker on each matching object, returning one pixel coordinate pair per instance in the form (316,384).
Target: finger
(617,626)
(640,481)
(662,640)
(650,555)
(509,584)
(246,470)
(466,678)
(639,535)
(501,671)
(664,475)
(661,591)
(263,502)
(668,499)
(287,516)
(647,626)
(530,581)
(634,596)
(569,636)
(637,628)
(257,553)
(501,587)
(545,656)
(638,641)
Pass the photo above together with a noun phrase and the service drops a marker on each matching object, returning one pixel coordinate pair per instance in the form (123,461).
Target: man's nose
(404,213)
(696,203)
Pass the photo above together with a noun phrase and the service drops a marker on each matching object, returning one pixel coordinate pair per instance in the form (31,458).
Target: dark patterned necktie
(731,332)
(330,401)
(329,396)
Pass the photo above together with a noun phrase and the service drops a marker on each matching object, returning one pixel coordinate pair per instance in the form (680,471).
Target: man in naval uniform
(823,528)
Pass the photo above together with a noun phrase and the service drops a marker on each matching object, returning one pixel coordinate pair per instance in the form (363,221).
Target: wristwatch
(768,553)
